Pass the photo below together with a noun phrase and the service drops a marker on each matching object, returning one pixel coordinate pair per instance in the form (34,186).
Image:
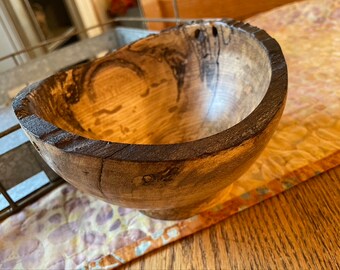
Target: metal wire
(142,13)
(176,11)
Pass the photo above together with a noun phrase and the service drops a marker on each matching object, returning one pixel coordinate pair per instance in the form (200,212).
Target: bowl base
(173,213)
(168,214)
(184,212)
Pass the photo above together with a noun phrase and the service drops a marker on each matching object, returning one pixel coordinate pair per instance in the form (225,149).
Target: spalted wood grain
(165,123)
(298,229)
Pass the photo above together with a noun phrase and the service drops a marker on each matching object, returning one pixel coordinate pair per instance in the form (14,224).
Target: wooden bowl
(165,124)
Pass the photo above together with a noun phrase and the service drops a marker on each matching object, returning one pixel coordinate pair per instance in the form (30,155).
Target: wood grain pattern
(177,115)
(298,229)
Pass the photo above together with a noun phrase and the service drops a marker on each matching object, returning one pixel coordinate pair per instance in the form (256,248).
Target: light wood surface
(298,229)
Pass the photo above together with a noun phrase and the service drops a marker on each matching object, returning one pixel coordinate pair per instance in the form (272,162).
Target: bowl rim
(274,99)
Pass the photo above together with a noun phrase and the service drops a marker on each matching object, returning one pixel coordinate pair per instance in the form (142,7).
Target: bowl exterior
(165,190)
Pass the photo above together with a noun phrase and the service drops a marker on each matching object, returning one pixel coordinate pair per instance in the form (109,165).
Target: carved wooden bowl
(165,124)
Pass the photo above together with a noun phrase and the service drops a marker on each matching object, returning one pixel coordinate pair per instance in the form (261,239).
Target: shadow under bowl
(164,124)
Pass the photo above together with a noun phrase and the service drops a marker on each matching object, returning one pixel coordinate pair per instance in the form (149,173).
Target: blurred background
(28,23)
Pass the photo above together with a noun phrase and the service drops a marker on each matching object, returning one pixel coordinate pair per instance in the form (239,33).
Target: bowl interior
(184,84)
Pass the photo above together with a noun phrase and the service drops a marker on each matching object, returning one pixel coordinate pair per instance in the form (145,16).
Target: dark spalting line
(196,47)
(106,111)
(216,74)
(226,41)
(232,30)
(72,94)
(97,122)
(60,105)
(59,77)
(155,52)
(63,111)
(79,86)
(208,44)
(175,59)
(22,111)
(90,74)
(74,91)
(202,49)
(200,44)
(124,130)
(69,117)
(108,132)
(156,84)
(177,62)
(151,51)
(150,134)
(209,67)
(208,64)
(172,109)
(214,31)
(147,92)
(162,176)
(199,35)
